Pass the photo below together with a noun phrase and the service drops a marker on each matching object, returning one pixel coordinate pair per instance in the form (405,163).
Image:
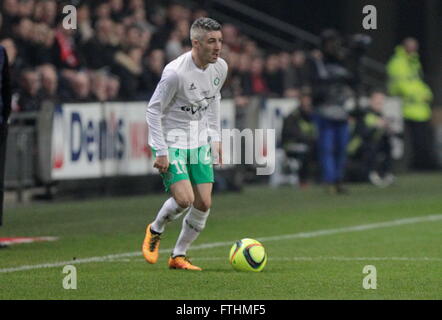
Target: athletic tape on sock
(196,219)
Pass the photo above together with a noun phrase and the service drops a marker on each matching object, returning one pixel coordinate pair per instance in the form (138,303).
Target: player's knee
(185,202)
(203,205)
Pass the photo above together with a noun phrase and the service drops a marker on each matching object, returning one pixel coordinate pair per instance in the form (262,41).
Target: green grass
(320,267)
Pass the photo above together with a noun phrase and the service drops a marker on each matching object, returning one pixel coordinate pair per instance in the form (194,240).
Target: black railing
(375,70)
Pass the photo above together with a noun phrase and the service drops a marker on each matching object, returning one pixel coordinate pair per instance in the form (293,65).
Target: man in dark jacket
(299,137)
(5,108)
(371,142)
(332,88)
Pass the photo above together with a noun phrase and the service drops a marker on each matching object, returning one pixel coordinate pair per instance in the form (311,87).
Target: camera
(359,43)
(334,45)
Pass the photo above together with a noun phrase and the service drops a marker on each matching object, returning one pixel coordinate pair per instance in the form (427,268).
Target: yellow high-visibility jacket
(405,80)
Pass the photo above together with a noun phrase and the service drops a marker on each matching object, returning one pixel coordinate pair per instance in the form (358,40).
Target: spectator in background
(136,37)
(102,11)
(178,39)
(200,13)
(258,81)
(174,13)
(45,11)
(119,34)
(273,76)
(297,75)
(66,54)
(113,88)
(299,137)
(139,18)
(99,51)
(42,44)
(99,86)
(29,98)
(14,62)
(406,81)
(22,33)
(81,87)
(154,65)
(9,12)
(2,33)
(135,5)
(85,30)
(49,82)
(128,67)
(5,110)
(289,89)
(25,8)
(157,16)
(232,59)
(250,48)
(117,10)
(370,144)
(243,85)
(376,137)
(231,37)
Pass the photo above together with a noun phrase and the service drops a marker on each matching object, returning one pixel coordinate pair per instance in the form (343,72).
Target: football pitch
(318,245)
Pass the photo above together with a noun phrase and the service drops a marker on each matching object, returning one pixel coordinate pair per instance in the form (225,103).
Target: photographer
(335,77)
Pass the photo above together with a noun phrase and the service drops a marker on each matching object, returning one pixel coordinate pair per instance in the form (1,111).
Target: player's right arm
(161,98)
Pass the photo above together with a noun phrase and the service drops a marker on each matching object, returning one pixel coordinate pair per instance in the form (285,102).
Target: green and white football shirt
(184,109)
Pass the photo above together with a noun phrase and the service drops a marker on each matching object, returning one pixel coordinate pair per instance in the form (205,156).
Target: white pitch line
(328,258)
(311,234)
(301,259)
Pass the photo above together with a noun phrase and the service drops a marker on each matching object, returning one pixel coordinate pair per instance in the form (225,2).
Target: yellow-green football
(248,255)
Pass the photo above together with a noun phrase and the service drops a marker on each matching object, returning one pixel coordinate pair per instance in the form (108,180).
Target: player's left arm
(215,130)
(214,120)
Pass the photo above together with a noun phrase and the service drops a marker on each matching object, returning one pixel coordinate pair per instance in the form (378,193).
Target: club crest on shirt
(192,86)
(216,81)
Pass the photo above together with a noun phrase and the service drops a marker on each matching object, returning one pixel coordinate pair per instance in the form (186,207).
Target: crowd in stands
(119,49)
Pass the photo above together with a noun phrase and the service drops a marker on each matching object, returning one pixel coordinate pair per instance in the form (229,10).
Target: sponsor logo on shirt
(199,106)
(194,109)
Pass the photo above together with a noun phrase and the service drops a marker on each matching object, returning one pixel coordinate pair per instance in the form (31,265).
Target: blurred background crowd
(119,50)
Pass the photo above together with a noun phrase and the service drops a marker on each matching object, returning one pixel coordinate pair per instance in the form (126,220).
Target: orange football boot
(151,244)
(181,262)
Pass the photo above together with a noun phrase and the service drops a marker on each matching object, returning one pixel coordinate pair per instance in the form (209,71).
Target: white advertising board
(96,140)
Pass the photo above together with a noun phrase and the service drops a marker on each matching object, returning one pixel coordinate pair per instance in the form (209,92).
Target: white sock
(168,212)
(193,223)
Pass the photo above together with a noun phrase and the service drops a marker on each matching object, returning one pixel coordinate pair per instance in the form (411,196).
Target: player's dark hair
(202,25)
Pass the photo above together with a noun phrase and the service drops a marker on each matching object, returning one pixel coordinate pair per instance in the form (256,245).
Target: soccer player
(182,115)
